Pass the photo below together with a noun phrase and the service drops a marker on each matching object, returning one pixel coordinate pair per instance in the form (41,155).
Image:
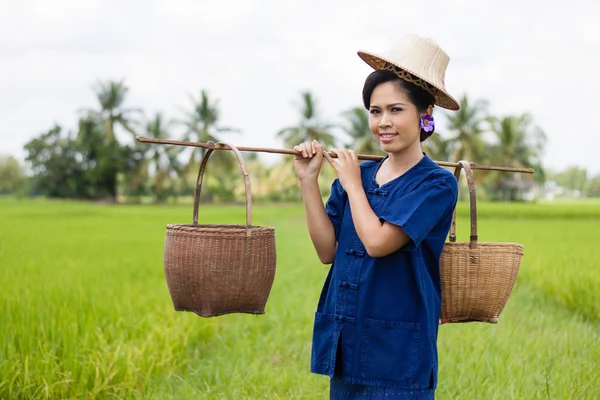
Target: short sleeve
(335,206)
(419,211)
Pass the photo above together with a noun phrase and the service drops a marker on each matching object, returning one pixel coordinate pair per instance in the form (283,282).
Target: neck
(403,161)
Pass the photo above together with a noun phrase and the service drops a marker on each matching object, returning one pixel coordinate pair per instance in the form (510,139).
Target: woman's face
(393,119)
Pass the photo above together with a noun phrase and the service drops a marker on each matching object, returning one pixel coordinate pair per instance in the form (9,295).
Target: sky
(255,57)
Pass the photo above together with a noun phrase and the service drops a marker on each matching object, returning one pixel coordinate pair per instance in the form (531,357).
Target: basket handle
(246,182)
(472,203)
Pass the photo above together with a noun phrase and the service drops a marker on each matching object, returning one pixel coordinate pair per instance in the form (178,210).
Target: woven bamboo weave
(213,269)
(477,277)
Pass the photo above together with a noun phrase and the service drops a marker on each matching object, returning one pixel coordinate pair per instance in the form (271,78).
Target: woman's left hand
(347,168)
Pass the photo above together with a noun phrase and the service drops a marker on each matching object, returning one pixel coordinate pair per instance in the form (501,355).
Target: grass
(85,312)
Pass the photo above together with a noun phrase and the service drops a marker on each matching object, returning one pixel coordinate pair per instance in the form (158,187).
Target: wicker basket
(477,277)
(213,270)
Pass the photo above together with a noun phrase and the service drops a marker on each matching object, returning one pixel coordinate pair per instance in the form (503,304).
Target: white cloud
(256,57)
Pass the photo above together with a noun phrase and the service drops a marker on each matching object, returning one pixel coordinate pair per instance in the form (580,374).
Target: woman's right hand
(309,160)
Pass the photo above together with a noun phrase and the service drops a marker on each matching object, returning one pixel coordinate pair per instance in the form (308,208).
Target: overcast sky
(256,57)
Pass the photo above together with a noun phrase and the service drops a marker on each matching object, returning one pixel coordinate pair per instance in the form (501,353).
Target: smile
(387,137)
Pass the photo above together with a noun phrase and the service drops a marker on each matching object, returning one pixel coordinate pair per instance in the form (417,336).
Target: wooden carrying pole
(217,146)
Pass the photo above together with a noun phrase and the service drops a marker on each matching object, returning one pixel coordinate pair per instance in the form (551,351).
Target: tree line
(94,162)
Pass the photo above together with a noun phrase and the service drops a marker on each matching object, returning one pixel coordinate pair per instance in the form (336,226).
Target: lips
(387,137)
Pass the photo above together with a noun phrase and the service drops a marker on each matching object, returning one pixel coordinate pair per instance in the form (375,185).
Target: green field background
(85,311)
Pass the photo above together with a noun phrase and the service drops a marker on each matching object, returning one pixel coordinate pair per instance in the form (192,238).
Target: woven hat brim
(442,98)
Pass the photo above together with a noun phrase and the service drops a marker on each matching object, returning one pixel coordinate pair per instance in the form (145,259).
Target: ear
(429,111)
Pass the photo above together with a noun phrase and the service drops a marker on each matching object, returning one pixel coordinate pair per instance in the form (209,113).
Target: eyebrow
(389,105)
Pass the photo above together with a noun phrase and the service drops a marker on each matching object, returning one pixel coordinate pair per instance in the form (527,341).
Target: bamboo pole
(217,146)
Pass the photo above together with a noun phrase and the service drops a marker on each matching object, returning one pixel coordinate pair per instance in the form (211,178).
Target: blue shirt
(384,312)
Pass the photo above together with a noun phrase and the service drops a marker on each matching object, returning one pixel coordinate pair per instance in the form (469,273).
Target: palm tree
(360,133)
(102,160)
(111,96)
(309,128)
(201,125)
(519,143)
(466,131)
(163,159)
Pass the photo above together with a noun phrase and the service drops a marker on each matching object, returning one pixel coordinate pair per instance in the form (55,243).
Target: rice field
(85,312)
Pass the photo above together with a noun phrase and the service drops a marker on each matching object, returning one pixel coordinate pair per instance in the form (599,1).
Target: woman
(383,230)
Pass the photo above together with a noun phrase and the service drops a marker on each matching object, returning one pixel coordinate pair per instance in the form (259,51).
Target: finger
(315,144)
(318,149)
(332,155)
(308,147)
(330,159)
(353,155)
(343,155)
(302,149)
(298,149)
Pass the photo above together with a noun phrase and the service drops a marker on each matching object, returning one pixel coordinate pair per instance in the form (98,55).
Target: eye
(396,109)
(374,111)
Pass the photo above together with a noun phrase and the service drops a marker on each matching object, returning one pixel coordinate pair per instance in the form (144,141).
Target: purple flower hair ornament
(427,123)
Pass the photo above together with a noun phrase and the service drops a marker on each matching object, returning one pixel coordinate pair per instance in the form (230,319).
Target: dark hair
(421,98)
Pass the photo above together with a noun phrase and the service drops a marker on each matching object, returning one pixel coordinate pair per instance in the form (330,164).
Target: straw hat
(419,61)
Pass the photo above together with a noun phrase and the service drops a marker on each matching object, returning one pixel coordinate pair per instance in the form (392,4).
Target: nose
(384,122)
